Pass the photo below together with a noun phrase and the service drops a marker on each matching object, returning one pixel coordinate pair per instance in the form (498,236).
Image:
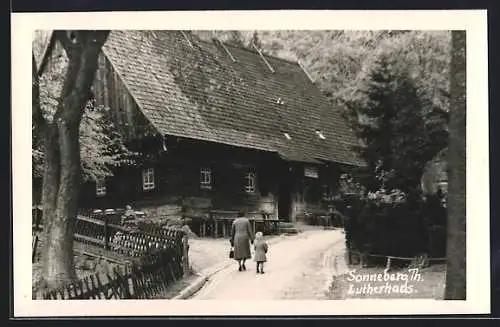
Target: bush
(404,229)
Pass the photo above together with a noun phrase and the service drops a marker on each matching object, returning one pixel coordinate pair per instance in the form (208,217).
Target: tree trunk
(57,254)
(456,240)
(61,180)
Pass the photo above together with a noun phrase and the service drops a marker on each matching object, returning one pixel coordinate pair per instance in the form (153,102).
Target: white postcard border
(478,253)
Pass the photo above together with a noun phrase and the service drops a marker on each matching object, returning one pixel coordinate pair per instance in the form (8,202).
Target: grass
(364,283)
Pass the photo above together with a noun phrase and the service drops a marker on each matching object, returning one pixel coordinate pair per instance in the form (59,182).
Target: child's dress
(260,251)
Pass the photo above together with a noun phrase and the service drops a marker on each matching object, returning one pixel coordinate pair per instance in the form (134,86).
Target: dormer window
(320,134)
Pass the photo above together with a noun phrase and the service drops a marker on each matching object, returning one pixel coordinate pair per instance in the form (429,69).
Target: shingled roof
(194,89)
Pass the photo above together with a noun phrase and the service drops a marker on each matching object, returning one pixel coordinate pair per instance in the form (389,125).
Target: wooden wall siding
(113,94)
(179,183)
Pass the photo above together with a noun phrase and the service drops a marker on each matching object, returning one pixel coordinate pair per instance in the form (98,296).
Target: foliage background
(101,146)
(391,86)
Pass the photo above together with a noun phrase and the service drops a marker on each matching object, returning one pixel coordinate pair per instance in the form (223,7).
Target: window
(100,187)
(206,178)
(148,179)
(250,181)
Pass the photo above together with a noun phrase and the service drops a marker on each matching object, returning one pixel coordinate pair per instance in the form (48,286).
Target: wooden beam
(305,71)
(263,58)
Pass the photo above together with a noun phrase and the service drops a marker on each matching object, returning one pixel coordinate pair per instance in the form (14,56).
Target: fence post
(388,263)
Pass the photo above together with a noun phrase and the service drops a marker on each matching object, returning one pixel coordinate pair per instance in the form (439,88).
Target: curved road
(296,265)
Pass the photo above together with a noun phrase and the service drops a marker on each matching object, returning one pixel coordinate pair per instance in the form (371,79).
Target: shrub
(404,229)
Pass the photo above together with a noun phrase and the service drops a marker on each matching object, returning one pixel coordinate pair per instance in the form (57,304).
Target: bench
(221,222)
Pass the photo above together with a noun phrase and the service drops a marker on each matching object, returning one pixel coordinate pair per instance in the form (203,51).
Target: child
(261,248)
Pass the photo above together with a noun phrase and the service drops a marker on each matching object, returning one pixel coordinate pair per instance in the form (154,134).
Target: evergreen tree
(397,139)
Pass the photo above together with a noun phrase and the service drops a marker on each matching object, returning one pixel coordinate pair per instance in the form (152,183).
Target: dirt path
(297,269)
(316,280)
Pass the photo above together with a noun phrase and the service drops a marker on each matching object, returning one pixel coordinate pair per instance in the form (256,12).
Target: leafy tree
(101,146)
(59,134)
(236,38)
(255,41)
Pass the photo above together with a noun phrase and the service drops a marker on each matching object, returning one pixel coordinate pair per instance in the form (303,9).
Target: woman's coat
(241,235)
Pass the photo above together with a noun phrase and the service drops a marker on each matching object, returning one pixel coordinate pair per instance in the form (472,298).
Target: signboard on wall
(311,172)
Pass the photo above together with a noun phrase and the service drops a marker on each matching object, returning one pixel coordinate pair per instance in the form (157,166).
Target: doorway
(285,198)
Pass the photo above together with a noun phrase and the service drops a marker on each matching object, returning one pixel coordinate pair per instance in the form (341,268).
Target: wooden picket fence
(152,258)
(134,242)
(361,259)
(147,278)
(129,242)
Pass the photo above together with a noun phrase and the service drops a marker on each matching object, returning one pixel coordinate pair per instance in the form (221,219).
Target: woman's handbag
(231,253)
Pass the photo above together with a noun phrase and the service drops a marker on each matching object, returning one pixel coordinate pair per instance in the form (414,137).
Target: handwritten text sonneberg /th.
(397,282)
(412,275)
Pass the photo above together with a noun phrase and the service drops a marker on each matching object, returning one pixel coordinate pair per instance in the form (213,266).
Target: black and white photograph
(237,164)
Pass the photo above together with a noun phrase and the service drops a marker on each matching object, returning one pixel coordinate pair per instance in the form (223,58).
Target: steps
(287,228)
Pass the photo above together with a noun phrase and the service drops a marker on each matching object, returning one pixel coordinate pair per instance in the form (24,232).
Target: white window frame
(206,178)
(100,187)
(250,182)
(148,179)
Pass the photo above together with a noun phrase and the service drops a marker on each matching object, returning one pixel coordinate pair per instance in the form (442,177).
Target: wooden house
(218,126)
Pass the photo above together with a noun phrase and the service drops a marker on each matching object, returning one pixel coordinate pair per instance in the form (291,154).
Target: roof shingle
(194,89)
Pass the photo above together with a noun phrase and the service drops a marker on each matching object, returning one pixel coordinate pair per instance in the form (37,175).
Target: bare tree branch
(82,49)
(65,38)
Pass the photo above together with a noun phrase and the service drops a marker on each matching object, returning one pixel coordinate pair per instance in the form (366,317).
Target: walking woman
(241,237)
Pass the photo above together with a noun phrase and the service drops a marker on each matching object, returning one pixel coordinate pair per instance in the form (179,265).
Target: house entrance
(285,198)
